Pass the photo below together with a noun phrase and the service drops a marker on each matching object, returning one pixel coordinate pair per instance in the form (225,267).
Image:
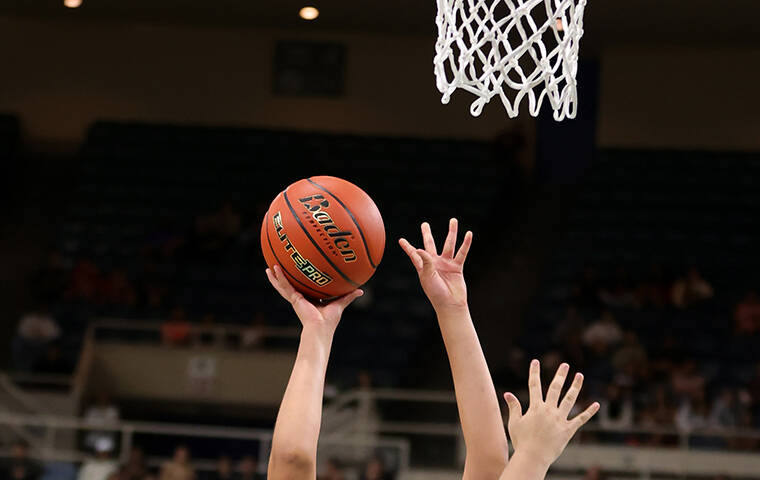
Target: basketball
(327,235)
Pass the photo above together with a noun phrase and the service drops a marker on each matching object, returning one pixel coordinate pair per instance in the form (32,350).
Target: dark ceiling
(681,21)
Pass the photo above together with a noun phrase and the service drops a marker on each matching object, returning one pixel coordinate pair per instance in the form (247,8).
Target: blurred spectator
(691,289)
(747,314)
(36,331)
(655,291)
(725,410)
(687,381)
(102,465)
(375,470)
(253,335)
(19,466)
(630,353)
(571,323)
(84,281)
(620,291)
(616,409)
(594,473)
(178,468)
(102,412)
(223,469)
(754,388)
(604,331)
(693,413)
(116,290)
(176,330)
(134,468)
(53,361)
(247,469)
(333,470)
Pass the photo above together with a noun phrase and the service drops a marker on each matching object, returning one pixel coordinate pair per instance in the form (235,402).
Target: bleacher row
(143,184)
(636,209)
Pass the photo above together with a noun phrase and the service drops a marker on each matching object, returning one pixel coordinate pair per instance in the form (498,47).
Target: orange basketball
(326,234)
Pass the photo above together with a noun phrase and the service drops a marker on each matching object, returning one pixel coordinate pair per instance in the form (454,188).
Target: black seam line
(280,262)
(285,195)
(364,241)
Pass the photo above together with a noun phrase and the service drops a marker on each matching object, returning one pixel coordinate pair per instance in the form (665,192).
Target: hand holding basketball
(543,432)
(441,275)
(324,318)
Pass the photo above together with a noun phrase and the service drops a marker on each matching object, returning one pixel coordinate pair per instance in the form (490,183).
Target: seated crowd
(640,348)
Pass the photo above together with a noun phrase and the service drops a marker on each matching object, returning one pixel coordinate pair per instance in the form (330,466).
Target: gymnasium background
(141,140)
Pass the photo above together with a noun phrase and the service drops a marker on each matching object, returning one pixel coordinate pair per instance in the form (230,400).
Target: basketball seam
(361,233)
(293,212)
(284,268)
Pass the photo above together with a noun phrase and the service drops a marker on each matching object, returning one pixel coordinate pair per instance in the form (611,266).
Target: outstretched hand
(543,432)
(324,317)
(441,275)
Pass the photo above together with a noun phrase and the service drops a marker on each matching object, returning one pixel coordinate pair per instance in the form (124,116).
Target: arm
(296,431)
(442,280)
(542,433)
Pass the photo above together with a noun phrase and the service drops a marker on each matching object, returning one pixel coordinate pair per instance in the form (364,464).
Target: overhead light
(308,13)
(72,3)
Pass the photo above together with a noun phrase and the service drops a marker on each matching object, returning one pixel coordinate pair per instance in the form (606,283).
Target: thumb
(427,262)
(515,410)
(346,299)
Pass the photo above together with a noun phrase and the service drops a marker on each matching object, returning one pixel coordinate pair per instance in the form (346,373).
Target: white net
(510,48)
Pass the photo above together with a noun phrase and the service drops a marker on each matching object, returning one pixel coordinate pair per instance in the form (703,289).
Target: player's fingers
(427,239)
(283,285)
(466,243)
(346,299)
(568,402)
(534,383)
(515,410)
(427,262)
(555,388)
(411,252)
(451,240)
(275,283)
(583,417)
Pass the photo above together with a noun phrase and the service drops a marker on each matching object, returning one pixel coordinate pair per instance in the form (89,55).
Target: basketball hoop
(497,47)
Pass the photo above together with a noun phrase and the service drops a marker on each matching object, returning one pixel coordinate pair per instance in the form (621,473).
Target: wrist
(320,335)
(452,311)
(531,464)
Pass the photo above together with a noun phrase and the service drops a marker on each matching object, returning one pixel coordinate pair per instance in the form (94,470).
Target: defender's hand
(323,318)
(441,275)
(543,432)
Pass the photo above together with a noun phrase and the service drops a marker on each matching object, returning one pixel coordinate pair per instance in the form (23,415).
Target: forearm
(479,412)
(522,467)
(294,442)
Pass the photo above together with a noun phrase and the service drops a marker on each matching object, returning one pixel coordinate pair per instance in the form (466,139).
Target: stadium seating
(635,209)
(141,185)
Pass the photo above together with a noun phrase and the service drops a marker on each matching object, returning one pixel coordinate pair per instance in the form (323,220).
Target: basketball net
(488,53)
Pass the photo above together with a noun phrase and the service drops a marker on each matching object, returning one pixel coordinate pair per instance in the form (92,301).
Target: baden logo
(302,264)
(317,204)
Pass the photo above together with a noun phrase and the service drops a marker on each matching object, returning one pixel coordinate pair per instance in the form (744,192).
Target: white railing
(54,426)
(360,413)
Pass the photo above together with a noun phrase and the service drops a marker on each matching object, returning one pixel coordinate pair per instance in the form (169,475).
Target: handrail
(219,329)
(128,428)
(20,396)
(451,429)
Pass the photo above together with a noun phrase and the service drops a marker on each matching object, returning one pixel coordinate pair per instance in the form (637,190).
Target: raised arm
(442,280)
(294,443)
(541,434)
